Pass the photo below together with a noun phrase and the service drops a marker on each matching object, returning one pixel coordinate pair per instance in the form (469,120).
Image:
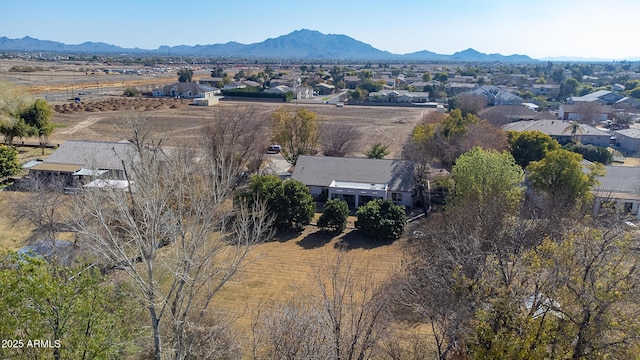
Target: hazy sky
(538,28)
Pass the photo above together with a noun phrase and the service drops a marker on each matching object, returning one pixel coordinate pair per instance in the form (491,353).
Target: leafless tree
(175,233)
(339,139)
(43,206)
(239,131)
(346,317)
(470,104)
(589,112)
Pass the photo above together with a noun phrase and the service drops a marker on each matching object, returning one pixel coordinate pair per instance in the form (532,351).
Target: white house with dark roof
(356,180)
(620,186)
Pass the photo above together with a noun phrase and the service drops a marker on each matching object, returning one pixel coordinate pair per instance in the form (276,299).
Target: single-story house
(78,162)
(190,90)
(620,186)
(356,180)
(561,131)
(301,92)
(594,112)
(628,140)
(234,85)
(399,96)
(602,96)
(324,88)
(546,90)
(496,95)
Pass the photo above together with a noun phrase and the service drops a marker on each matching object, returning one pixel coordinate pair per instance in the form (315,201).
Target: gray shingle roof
(624,179)
(321,170)
(553,128)
(93,154)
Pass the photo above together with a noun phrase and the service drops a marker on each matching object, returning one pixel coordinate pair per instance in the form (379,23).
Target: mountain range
(299,44)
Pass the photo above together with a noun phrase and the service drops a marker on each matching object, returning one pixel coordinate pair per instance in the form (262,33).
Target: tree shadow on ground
(284,236)
(315,240)
(355,240)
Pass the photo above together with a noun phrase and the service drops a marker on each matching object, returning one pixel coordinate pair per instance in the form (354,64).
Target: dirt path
(81,125)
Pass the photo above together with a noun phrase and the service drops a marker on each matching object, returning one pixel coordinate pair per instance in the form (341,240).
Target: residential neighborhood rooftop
(323,170)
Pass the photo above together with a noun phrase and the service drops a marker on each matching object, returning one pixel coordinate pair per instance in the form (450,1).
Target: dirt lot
(174,120)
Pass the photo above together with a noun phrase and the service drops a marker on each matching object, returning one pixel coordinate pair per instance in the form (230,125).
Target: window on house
(396,197)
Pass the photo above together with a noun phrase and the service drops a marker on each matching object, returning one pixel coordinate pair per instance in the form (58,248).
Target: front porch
(356,194)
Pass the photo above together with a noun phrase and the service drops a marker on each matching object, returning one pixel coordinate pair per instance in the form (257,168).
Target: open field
(175,121)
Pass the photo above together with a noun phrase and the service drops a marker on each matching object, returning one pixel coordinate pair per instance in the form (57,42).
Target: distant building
(399,96)
(185,90)
(496,95)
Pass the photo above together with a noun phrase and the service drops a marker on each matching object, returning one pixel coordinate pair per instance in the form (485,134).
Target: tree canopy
(381,219)
(289,201)
(487,175)
(528,146)
(68,305)
(185,75)
(297,132)
(561,176)
(9,164)
(334,216)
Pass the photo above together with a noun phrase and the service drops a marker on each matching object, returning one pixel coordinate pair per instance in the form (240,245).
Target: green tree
(635,93)
(381,220)
(591,152)
(38,118)
(297,132)
(14,128)
(560,176)
(83,317)
(185,75)
(377,151)
(487,176)
(591,280)
(217,72)
(528,146)
(426,76)
(334,217)
(442,77)
(9,164)
(289,201)
(569,87)
(130,92)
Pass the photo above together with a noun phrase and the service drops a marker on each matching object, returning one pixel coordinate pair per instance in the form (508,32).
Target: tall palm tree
(575,128)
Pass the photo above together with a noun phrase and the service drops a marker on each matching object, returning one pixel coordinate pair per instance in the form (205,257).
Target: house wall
(316,190)
(407,199)
(630,144)
(620,205)
(597,140)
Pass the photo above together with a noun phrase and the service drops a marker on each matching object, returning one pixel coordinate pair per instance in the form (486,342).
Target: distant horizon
(547,29)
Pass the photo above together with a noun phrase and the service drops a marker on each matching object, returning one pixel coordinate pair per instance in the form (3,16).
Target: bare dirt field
(175,121)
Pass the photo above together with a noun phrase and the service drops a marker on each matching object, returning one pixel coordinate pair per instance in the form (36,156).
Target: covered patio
(356,194)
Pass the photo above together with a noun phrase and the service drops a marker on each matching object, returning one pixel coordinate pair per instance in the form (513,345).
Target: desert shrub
(334,217)
(381,220)
(130,92)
